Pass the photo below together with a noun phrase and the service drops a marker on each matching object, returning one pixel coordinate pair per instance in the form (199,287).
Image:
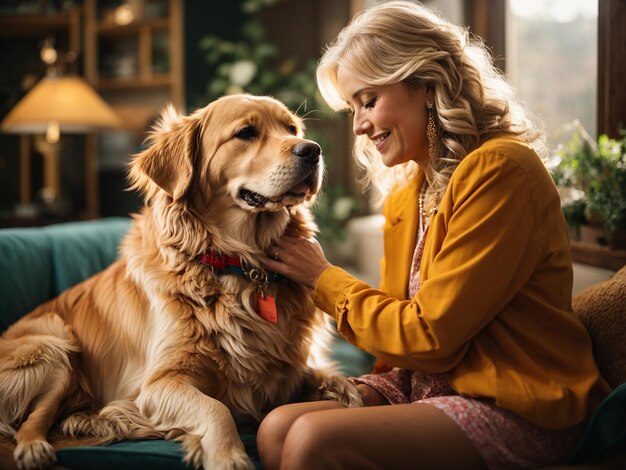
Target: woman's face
(393,117)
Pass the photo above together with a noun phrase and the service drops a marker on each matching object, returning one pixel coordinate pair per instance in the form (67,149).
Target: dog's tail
(118,420)
(32,357)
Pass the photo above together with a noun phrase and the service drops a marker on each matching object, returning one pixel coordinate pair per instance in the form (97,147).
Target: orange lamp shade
(68,101)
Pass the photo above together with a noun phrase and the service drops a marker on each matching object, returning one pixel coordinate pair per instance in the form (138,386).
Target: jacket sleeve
(484,248)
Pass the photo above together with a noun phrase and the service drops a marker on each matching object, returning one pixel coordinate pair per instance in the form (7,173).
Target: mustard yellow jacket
(494,305)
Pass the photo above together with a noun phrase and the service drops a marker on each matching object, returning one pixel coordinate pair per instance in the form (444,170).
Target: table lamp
(58,104)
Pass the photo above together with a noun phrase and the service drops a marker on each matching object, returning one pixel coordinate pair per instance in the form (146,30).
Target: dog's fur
(160,345)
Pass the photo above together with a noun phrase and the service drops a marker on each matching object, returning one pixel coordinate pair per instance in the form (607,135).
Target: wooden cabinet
(134,56)
(131,52)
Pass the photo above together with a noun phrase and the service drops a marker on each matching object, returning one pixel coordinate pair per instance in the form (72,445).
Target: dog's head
(247,151)
(237,172)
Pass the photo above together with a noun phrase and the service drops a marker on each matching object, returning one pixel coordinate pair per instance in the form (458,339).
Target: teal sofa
(38,263)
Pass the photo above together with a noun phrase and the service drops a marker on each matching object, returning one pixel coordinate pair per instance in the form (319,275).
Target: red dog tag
(266,307)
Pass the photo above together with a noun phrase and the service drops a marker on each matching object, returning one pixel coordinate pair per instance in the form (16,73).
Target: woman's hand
(298,258)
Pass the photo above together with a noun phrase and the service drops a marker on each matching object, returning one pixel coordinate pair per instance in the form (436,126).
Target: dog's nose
(307,150)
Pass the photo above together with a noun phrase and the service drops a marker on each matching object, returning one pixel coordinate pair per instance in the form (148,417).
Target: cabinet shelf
(145,54)
(153,81)
(108,29)
(32,25)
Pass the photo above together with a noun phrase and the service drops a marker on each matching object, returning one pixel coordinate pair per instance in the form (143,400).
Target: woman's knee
(271,434)
(308,442)
(278,424)
(273,423)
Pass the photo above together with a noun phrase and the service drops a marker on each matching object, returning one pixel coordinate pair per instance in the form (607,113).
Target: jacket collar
(401,236)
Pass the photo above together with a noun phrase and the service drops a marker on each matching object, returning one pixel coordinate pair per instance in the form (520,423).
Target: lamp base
(26,211)
(53,203)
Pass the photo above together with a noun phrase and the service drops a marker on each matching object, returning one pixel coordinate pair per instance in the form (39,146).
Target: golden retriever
(186,336)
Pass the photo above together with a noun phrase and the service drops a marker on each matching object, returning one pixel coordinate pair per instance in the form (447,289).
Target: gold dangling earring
(431,131)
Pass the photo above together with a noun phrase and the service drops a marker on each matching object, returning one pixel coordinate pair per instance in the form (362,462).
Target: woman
(487,364)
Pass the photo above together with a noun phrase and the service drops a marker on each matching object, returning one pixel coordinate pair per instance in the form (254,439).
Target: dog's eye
(293,129)
(247,133)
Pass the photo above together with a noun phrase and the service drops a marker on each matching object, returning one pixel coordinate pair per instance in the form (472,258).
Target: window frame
(486,18)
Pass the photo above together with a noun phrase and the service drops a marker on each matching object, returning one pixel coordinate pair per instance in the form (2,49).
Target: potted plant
(591,176)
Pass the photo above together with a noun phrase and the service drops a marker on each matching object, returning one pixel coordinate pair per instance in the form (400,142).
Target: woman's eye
(370,104)
(247,133)
(293,130)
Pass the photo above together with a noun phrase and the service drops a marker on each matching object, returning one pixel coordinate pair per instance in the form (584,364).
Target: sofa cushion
(80,250)
(37,263)
(606,432)
(132,455)
(602,308)
(25,273)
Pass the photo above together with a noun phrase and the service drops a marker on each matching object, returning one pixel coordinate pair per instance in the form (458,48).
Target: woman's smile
(392,116)
(380,140)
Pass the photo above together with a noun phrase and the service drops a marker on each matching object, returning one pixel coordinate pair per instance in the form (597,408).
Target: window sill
(597,255)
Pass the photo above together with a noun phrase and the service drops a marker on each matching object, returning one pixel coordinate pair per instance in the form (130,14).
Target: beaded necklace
(420,200)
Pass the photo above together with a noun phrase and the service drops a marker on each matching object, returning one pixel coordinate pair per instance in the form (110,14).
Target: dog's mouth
(295,195)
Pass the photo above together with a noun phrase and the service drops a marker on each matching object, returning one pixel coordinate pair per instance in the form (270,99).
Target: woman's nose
(360,125)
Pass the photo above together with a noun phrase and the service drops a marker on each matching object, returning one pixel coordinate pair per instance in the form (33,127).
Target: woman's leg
(323,435)
(276,425)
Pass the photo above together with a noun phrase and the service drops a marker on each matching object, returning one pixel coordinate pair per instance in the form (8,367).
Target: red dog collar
(222,262)
(218,260)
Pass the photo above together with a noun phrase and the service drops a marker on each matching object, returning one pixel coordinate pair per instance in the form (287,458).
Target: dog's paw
(34,455)
(233,459)
(339,389)
(192,449)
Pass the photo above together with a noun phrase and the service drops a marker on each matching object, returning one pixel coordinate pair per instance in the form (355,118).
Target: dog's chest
(230,349)
(248,347)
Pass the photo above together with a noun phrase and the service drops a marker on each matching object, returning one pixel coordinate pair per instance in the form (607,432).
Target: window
(452,10)
(551,59)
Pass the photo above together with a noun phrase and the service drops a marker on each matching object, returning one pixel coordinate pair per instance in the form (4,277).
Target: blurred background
(64,160)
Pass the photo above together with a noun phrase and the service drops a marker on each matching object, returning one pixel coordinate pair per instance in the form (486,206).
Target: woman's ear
(430,96)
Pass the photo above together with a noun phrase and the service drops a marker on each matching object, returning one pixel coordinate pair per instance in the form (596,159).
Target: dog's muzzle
(305,173)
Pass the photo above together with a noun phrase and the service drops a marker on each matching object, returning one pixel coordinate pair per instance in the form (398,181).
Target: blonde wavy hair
(405,42)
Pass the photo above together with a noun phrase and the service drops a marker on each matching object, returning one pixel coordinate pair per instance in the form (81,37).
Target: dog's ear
(169,160)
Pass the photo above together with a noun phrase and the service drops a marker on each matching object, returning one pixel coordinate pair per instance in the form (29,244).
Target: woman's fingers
(298,258)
